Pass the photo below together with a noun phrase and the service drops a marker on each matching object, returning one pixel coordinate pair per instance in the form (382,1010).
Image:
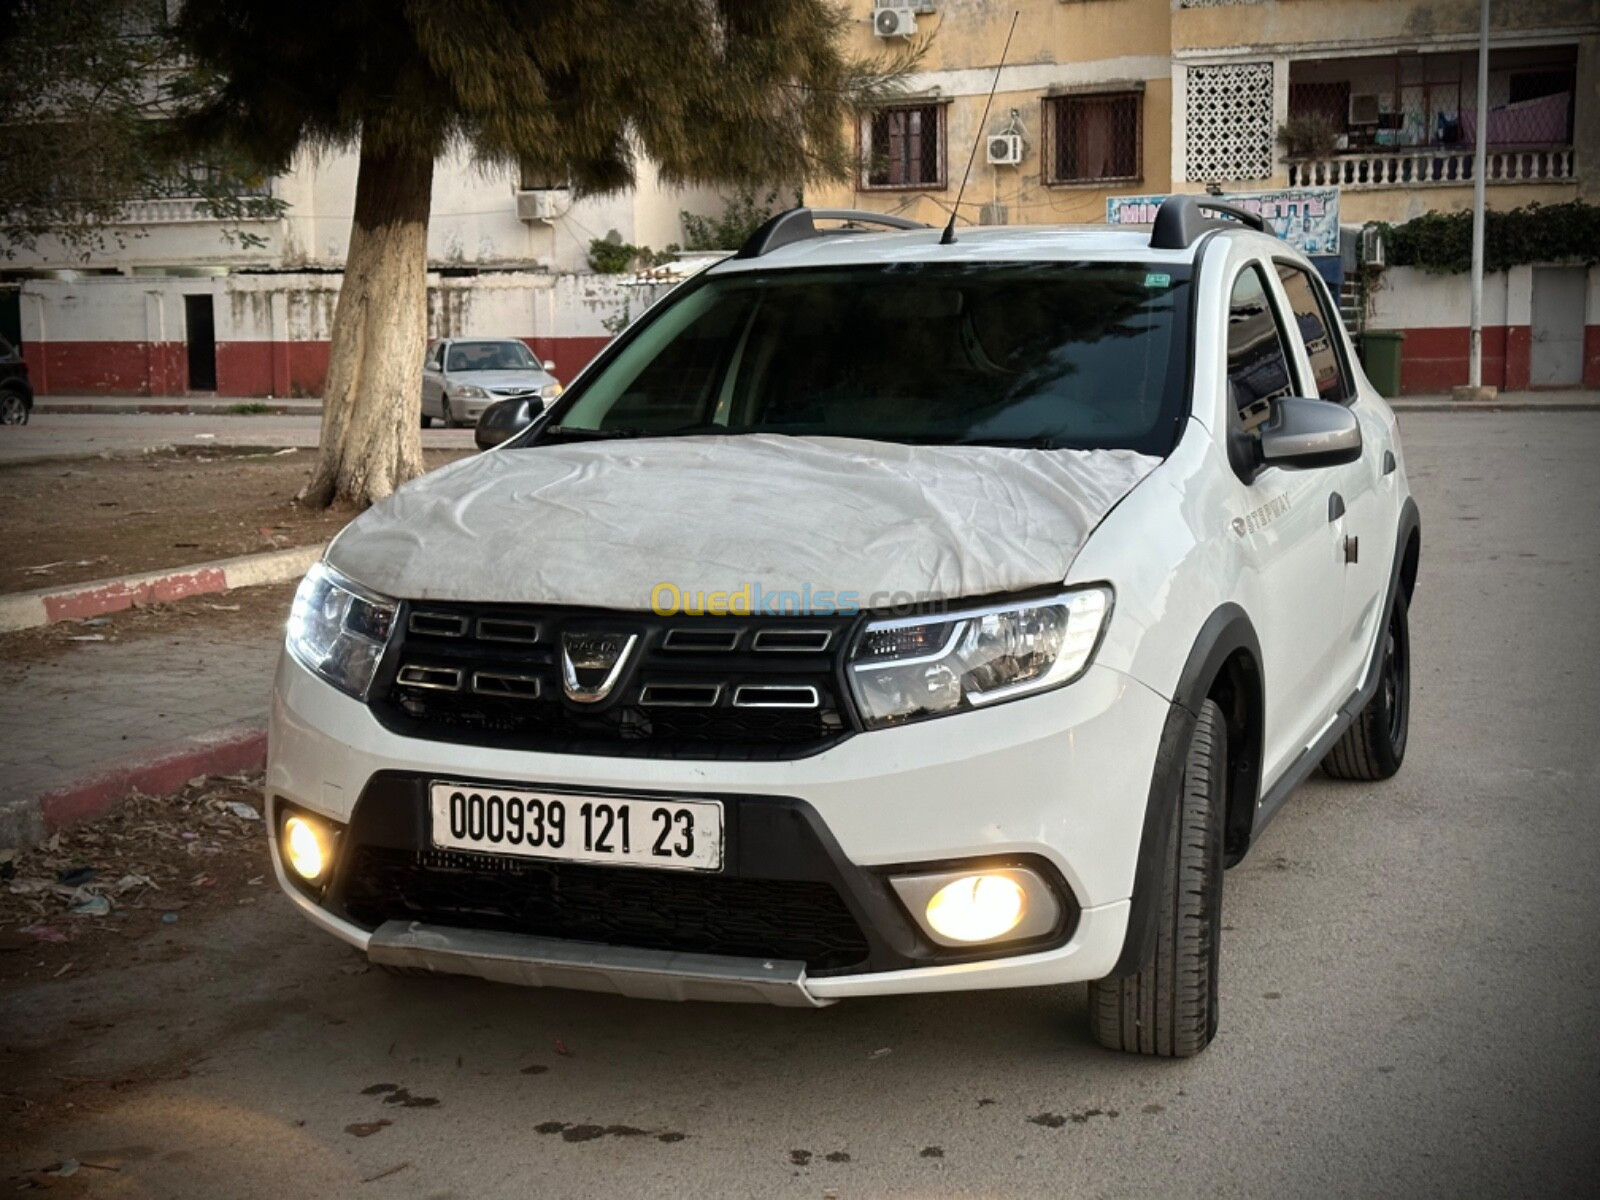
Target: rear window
(1035,354)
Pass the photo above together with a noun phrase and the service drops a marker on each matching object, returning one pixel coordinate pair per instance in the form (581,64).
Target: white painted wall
(1413,299)
(474,223)
(299,307)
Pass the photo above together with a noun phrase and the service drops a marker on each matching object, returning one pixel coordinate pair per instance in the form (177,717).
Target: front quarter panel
(1163,553)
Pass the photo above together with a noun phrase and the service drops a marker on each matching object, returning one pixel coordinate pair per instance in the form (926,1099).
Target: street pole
(1480,130)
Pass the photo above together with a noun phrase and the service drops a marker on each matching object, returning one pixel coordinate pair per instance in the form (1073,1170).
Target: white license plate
(683,835)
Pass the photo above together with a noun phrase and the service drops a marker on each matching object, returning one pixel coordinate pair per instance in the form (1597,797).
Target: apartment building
(171,301)
(1324,115)
(1321,114)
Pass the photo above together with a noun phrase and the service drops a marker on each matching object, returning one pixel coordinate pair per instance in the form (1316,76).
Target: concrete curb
(1405,406)
(27,820)
(210,408)
(74,602)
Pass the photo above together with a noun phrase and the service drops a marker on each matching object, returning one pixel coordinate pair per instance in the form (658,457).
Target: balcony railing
(170,210)
(178,210)
(1391,168)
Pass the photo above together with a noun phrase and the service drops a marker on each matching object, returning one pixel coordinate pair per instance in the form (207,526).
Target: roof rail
(797,224)
(1181,219)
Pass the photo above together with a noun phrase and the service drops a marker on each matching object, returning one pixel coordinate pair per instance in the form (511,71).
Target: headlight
(550,391)
(339,629)
(469,391)
(915,667)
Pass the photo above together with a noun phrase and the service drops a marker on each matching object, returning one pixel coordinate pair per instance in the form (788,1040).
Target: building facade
(1368,106)
(1325,114)
(172,301)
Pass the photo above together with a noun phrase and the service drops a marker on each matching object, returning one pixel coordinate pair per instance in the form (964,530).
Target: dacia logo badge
(591,663)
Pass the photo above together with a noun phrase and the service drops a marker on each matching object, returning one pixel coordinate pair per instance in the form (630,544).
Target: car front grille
(690,687)
(615,906)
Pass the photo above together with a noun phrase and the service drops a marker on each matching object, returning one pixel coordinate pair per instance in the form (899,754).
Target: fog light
(970,907)
(977,908)
(303,849)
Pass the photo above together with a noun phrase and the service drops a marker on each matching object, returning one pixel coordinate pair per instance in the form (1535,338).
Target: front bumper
(1058,780)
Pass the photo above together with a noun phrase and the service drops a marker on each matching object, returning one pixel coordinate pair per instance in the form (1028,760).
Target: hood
(528,377)
(601,524)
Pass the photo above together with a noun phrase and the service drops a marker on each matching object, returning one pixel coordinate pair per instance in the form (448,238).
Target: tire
(450,421)
(1375,744)
(13,408)
(427,421)
(1169,1007)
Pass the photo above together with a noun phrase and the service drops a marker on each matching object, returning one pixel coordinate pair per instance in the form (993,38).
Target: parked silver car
(463,376)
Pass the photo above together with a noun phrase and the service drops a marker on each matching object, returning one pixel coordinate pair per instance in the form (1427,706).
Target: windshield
(488,356)
(1035,354)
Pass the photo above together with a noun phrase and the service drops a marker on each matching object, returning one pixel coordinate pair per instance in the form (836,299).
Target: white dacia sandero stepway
(878,614)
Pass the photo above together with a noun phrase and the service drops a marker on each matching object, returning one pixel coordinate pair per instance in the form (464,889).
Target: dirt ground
(83,519)
(109,892)
(238,614)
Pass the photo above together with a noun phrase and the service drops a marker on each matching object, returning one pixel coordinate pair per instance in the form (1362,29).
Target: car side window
(432,362)
(1318,332)
(1258,363)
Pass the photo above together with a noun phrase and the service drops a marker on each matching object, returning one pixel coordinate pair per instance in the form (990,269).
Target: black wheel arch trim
(1225,632)
(1298,771)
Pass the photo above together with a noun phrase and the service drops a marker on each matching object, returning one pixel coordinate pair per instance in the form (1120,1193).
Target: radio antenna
(949,236)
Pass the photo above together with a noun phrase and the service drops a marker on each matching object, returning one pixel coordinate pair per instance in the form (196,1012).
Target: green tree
(726,92)
(743,216)
(88,89)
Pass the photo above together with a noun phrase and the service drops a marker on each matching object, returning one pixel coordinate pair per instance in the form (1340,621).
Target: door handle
(1335,507)
(1388,462)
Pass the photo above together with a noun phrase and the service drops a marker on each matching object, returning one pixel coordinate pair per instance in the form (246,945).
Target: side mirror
(503,420)
(549,364)
(1309,433)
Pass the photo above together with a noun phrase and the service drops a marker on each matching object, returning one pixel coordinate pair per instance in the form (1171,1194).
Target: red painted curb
(83,602)
(153,772)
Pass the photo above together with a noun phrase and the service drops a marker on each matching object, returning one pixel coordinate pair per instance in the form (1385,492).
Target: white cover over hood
(600,524)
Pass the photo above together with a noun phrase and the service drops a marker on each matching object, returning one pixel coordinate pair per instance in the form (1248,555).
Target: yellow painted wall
(1094,42)
(970,33)
(1103,41)
(1296,22)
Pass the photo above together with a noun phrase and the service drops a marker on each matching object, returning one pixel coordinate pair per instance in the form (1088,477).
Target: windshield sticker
(1156,279)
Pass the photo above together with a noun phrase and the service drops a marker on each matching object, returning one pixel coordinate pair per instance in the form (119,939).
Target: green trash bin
(1380,356)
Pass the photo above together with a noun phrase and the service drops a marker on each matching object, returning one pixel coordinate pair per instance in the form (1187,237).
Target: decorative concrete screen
(1229,122)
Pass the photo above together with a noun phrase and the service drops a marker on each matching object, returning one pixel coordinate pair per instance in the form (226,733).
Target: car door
(1364,490)
(1279,519)
(433,380)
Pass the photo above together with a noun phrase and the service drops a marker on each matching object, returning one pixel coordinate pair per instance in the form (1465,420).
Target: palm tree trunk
(371,428)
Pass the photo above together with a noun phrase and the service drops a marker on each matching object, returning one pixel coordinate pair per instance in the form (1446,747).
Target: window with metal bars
(903,147)
(1094,138)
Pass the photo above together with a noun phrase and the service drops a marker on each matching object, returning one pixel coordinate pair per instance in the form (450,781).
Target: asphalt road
(52,435)
(1410,985)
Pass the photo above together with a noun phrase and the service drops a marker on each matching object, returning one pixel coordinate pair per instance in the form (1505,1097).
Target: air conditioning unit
(1005,149)
(1372,247)
(1364,109)
(546,204)
(894,22)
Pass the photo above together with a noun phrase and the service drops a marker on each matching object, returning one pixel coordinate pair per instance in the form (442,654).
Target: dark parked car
(16,393)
